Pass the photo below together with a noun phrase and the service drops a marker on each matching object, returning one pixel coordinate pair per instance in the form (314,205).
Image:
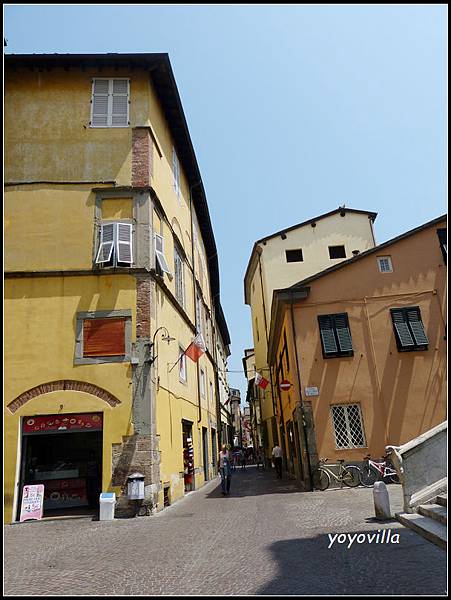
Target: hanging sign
(285,385)
(32,502)
(311,391)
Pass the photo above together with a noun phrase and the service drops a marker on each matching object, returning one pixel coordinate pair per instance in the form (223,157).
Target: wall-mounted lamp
(166,337)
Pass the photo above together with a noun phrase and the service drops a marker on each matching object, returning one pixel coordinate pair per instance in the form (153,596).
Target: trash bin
(107,504)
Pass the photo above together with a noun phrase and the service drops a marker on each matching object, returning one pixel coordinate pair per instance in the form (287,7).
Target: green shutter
(416,326)
(402,329)
(326,327)
(343,332)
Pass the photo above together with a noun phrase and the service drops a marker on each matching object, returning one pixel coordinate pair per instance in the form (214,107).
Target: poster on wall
(32,502)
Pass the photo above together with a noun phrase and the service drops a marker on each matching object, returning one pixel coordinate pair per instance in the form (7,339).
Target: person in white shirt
(277,458)
(225,469)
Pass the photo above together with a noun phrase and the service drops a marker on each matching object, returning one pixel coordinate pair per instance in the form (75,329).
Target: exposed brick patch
(63,384)
(143,307)
(142,157)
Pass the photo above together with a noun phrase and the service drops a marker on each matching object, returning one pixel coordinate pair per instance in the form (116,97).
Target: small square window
(385,264)
(337,252)
(294,255)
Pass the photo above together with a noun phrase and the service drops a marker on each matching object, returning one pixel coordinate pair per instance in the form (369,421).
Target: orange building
(363,344)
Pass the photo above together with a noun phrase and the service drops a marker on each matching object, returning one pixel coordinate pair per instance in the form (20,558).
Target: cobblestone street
(265,538)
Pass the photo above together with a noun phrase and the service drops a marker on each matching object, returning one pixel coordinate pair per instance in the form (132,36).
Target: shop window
(409,329)
(335,335)
(337,252)
(103,336)
(110,102)
(348,426)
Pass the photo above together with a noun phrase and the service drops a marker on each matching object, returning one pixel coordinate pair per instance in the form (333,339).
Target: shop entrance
(64,453)
(188,455)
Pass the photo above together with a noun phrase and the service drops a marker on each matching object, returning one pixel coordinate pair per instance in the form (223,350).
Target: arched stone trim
(66,385)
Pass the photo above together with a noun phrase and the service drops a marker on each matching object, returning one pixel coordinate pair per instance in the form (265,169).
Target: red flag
(196,348)
(261,381)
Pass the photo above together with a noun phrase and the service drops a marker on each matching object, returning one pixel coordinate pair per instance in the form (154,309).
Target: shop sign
(311,391)
(32,502)
(60,423)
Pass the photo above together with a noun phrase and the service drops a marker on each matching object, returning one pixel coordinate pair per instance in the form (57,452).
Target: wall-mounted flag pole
(194,350)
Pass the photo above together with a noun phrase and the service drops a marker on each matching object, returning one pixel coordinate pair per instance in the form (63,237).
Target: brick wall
(142,157)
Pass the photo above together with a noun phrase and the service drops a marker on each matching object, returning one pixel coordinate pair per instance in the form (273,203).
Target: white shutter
(106,243)
(120,102)
(159,253)
(176,171)
(124,243)
(110,103)
(99,101)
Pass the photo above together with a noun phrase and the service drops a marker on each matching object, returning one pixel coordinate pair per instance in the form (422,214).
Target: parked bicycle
(374,471)
(349,475)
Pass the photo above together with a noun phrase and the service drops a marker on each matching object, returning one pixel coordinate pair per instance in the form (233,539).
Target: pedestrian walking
(243,459)
(225,469)
(277,458)
(260,460)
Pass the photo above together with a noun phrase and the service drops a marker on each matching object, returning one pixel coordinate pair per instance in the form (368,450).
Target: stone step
(434,511)
(432,530)
(442,499)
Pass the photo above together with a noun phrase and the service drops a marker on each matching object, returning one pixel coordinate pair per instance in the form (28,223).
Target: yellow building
(111,271)
(363,344)
(283,258)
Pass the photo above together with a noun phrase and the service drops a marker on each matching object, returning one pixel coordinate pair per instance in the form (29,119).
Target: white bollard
(381,501)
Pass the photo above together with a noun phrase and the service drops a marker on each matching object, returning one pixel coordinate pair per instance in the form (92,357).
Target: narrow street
(265,538)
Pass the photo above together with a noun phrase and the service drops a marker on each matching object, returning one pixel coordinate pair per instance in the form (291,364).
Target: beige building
(363,344)
(287,256)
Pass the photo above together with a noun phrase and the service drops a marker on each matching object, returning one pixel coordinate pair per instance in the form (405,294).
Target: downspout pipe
(293,329)
(199,415)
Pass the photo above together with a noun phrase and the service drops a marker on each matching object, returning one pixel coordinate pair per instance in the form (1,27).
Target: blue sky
(293,110)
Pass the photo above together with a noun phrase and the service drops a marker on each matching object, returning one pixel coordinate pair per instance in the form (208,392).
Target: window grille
(348,426)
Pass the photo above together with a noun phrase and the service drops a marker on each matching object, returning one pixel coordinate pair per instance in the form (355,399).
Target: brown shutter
(104,337)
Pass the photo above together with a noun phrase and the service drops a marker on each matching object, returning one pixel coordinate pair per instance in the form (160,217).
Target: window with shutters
(110,102)
(385,264)
(115,247)
(182,365)
(335,335)
(161,262)
(442,237)
(176,173)
(179,281)
(103,336)
(348,426)
(202,383)
(409,329)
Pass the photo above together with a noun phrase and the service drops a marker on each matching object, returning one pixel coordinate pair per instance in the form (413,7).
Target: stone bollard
(381,501)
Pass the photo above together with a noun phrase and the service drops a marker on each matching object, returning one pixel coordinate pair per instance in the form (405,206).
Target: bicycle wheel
(323,480)
(393,478)
(368,476)
(351,476)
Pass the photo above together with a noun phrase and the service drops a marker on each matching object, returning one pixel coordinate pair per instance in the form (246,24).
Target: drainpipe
(199,416)
(293,329)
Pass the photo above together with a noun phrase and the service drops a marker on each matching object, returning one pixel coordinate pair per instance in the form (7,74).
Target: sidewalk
(265,538)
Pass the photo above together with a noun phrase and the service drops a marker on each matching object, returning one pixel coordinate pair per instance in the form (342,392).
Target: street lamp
(165,337)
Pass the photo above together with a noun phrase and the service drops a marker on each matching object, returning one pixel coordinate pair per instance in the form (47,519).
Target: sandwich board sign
(32,502)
